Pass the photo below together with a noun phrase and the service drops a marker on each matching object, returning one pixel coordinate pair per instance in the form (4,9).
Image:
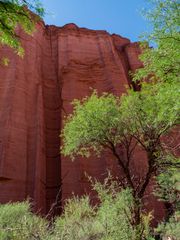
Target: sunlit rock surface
(60,64)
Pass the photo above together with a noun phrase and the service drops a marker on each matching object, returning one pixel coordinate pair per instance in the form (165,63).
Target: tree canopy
(99,120)
(94,122)
(151,112)
(162,62)
(15,13)
(110,122)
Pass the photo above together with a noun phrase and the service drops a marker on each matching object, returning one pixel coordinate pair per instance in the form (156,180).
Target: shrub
(111,219)
(171,229)
(77,222)
(17,222)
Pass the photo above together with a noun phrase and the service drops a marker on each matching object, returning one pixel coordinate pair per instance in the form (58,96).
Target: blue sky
(116,16)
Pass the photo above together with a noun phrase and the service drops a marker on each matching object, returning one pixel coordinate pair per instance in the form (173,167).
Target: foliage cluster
(98,121)
(110,219)
(17,222)
(161,63)
(170,229)
(14,13)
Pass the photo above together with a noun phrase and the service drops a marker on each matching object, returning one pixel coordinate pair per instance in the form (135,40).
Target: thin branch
(125,170)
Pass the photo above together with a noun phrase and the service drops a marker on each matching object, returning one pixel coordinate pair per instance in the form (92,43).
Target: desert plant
(78,221)
(171,229)
(111,219)
(18,222)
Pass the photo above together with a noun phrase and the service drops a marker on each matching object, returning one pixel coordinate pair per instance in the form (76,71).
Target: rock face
(60,64)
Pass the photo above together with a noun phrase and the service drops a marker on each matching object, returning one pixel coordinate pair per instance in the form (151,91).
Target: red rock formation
(60,64)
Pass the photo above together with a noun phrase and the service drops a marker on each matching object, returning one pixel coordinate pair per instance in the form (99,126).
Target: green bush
(18,223)
(111,219)
(115,211)
(77,222)
(171,229)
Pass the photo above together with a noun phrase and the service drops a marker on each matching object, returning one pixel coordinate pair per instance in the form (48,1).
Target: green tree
(15,13)
(116,123)
(162,62)
(148,116)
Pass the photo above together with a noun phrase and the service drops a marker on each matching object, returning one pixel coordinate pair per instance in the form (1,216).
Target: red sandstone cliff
(60,64)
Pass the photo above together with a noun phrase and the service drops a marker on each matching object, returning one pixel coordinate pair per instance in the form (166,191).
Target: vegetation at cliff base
(109,220)
(18,222)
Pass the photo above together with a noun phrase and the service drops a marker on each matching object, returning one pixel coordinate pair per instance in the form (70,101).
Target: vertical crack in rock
(52,112)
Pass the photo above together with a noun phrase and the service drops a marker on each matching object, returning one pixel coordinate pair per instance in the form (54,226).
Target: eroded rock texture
(60,64)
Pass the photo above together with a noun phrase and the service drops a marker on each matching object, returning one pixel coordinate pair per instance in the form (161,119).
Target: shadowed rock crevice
(52,118)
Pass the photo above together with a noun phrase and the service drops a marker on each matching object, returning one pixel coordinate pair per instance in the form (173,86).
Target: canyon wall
(60,64)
